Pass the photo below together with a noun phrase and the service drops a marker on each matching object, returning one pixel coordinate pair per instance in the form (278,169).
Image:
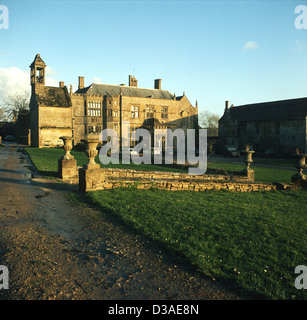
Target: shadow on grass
(51,174)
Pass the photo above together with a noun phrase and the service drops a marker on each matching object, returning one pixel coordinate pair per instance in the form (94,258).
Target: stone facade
(271,128)
(85,113)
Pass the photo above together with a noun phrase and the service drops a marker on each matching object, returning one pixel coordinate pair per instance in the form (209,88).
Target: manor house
(56,112)
(272,128)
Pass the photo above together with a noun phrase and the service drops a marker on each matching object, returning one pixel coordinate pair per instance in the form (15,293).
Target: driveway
(55,249)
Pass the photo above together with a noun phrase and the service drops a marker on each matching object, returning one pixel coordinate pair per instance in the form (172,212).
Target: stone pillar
(248,171)
(67,165)
(90,170)
(300,165)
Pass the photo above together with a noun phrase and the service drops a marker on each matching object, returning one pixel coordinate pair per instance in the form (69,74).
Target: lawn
(253,241)
(46,161)
(268,175)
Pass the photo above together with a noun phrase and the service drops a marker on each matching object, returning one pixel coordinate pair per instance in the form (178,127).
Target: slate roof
(291,109)
(54,97)
(109,90)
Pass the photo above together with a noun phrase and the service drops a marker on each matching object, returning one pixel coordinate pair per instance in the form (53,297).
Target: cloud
(250,45)
(14,80)
(50,72)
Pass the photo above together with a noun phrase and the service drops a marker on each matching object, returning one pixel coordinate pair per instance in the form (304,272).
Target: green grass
(268,175)
(276,162)
(46,161)
(253,241)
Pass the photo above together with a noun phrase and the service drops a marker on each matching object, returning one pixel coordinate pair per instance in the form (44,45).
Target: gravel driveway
(62,251)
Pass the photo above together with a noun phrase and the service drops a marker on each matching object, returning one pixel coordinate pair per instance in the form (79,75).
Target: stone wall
(102,179)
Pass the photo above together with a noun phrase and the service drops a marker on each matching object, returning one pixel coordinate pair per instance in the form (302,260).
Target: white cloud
(50,72)
(14,80)
(250,45)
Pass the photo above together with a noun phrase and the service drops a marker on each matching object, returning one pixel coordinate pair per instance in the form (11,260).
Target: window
(109,113)
(149,112)
(115,113)
(115,126)
(164,113)
(94,129)
(93,109)
(134,112)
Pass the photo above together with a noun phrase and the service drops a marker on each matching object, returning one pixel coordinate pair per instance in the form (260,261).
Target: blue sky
(241,51)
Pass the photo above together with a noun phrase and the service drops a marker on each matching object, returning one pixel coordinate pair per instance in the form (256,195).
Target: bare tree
(12,105)
(209,121)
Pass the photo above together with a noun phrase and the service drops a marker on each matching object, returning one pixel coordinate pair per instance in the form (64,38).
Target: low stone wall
(102,179)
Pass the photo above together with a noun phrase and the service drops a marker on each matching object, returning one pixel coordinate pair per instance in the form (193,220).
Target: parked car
(232,152)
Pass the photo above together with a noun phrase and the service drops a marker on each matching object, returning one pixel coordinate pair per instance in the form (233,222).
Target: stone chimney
(81,83)
(132,81)
(61,84)
(158,84)
(226,105)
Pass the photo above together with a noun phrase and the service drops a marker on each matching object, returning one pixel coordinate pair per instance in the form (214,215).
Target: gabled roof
(38,60)
(54,97)
(291,109)
(109,90)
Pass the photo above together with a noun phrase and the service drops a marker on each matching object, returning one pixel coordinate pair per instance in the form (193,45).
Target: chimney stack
(132,81)
(226,105)
(158,84)
(81,83)
(61,84)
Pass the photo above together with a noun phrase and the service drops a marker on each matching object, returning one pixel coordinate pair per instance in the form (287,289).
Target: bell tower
(38,67)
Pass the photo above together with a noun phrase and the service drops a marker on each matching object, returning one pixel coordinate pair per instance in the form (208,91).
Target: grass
(253,241)
(46,161)
(268,175)
(276,162)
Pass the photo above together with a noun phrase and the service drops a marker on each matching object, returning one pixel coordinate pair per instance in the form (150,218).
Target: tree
(12,105)
(209,121)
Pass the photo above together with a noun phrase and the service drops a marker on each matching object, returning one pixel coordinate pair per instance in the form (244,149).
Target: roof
(109,90)
(291,109)
(54,97)
(38,60)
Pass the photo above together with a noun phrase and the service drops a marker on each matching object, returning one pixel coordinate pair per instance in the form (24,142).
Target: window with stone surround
(94,129)
(149,112)
(134,112)
(94,109)
(164,113)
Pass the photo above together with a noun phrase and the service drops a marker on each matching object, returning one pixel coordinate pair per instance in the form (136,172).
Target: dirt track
(56,250)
